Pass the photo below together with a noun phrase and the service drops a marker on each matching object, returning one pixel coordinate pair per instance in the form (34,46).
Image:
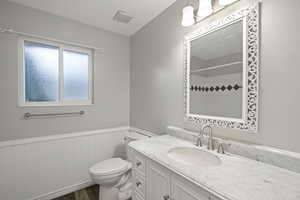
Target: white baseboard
(64,190)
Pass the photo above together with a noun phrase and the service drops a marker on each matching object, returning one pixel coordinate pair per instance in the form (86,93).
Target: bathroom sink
(195,157)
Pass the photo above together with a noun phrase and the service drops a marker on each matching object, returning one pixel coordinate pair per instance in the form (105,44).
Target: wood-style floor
(89,193)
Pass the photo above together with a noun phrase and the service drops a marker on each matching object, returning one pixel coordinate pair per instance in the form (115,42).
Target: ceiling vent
(122,17)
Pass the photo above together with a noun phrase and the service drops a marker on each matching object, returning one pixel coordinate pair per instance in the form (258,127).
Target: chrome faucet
(210,145)
(198,141)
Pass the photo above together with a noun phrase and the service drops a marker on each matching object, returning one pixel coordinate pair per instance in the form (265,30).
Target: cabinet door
(158,182)
(182,189)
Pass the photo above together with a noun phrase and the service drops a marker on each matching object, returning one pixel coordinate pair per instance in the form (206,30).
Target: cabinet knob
(166,197)
(138,164)
(138,184)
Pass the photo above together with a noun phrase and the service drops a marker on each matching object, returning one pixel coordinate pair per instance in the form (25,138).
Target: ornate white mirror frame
(249,121)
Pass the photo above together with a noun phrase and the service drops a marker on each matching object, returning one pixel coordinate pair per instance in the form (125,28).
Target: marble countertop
(237,178)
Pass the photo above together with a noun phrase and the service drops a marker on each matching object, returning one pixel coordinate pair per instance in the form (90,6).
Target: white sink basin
(193,156)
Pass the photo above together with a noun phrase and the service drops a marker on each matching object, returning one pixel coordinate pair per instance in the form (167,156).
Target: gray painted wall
(111,93)
(156,83)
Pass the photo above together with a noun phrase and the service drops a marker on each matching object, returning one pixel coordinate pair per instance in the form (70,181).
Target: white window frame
(61,47)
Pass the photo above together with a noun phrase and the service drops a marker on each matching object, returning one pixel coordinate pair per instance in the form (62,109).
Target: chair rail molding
(31,140)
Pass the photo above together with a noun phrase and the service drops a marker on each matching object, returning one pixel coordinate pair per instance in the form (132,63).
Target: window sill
(25,105)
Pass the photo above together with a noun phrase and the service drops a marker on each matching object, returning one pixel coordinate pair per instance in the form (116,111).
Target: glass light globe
(205,8)
(188,16)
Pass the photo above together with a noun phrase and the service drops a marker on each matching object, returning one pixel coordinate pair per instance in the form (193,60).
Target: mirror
(221,71)
(216,73)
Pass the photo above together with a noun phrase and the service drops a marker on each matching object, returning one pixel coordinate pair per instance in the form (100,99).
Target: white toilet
(113,175)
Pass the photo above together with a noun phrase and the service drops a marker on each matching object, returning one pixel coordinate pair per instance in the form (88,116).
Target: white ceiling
(99,13)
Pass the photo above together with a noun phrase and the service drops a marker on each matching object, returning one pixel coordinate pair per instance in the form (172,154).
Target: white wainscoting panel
(48,168)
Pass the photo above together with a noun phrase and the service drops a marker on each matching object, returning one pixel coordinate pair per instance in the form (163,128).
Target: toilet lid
(110,166)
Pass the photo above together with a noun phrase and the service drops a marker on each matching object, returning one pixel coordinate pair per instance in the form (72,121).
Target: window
(54,74)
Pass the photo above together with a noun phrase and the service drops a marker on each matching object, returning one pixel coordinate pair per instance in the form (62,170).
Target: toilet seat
(110,167)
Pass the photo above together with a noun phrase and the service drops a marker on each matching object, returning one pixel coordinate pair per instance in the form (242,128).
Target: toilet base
(108,193)
(112,193)
(125,192)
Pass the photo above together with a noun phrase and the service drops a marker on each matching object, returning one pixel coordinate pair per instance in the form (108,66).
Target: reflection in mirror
(216,73)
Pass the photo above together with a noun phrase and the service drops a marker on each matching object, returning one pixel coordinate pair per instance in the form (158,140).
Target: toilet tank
(131,136)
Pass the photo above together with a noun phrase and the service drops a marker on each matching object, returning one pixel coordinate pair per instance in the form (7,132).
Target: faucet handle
(198,141)
(221,148)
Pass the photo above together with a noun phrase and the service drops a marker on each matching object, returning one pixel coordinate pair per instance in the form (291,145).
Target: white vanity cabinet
(158,182)
(182,189)
(152,181)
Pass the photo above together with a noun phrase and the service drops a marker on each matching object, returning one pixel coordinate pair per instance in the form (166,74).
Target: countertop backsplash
(277,157)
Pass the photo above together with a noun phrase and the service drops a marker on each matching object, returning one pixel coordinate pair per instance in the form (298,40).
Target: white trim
(17,142)
(10,143)
(64,190)
(21,72)
(11,31)
(61,78)
(61,47)
(245,71)
(217,118)
(50,104)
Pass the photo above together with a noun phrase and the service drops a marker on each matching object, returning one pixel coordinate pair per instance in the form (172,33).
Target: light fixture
(188,16)
(205,8)
(226,2)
